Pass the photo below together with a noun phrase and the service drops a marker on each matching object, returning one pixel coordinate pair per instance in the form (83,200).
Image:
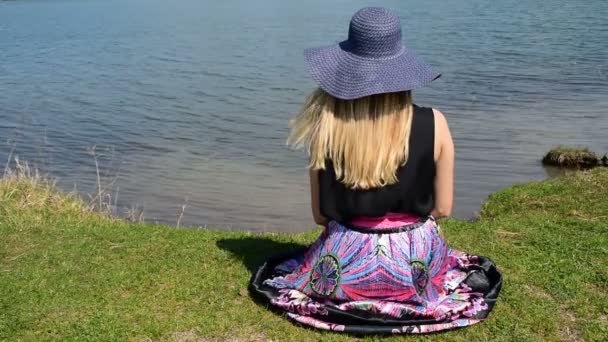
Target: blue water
(187,102)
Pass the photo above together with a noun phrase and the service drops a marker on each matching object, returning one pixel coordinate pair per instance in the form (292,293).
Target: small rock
(580,158)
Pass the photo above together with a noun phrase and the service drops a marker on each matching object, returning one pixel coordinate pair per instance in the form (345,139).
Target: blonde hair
(367,139)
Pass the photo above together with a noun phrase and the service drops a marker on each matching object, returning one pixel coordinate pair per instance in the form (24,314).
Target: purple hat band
(372,60)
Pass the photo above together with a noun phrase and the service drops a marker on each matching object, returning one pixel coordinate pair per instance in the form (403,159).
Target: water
(187,102)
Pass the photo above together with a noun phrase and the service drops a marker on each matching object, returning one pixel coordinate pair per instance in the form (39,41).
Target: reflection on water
(188,105)
(554,171)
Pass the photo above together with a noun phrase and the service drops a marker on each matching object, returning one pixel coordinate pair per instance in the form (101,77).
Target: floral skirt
(372,281)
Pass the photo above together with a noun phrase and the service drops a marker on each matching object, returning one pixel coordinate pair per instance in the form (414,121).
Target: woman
(381,171)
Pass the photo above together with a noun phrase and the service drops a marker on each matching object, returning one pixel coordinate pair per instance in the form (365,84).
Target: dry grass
(25,187)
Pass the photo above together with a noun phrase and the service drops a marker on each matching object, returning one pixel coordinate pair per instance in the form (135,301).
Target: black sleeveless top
(412,193)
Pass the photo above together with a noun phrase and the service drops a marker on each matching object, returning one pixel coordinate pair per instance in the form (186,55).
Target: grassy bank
(67,273)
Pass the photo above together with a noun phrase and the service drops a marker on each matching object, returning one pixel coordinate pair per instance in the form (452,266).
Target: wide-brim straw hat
(373,60)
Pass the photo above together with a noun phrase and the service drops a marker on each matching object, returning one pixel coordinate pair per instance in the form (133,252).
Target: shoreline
(104,194)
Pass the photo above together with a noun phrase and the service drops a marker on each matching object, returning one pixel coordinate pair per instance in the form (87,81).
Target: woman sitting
(381,172)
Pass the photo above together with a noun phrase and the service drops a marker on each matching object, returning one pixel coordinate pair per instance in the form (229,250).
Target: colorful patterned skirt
(380,279)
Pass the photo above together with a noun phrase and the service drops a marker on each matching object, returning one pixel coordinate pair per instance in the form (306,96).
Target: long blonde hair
(367,139)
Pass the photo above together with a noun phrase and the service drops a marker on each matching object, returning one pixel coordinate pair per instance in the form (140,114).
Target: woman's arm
(444,161)
(314,198)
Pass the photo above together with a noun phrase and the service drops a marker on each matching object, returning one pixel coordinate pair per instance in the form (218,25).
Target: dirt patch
(538,292)
(193,336)
(568,332)
(508,234)
(567,320)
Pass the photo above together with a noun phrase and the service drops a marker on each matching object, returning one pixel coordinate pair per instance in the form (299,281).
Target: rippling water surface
(187,102)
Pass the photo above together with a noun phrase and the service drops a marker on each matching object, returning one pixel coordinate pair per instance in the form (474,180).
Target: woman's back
(413,192)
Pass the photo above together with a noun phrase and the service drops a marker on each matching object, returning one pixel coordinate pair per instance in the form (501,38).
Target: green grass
(67,273)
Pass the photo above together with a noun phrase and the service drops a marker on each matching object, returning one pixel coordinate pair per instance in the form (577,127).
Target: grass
(68,273)
(573,157)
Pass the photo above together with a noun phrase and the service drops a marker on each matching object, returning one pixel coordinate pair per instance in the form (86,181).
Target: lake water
(187,102)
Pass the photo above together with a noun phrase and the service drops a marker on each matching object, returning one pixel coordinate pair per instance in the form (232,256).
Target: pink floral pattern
(316,323)
(297,302)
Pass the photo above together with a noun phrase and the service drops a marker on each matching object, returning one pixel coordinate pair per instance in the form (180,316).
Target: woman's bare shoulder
(441,123)
(440,119)
(442,132)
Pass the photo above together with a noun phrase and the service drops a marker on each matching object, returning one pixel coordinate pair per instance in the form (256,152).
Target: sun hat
(372,60)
